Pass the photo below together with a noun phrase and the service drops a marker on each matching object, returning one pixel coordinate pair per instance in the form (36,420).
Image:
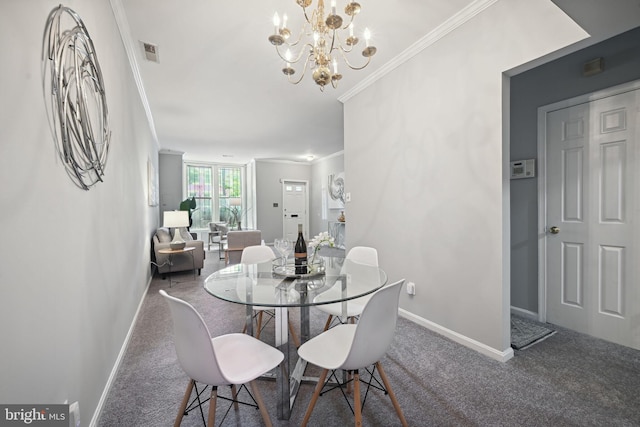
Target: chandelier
(322,52)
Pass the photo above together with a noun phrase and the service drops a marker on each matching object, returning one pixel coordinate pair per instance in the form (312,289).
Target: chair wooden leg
(294,336)
(259,324)
(326,325)
(234,395)
(314,398)
(212,407)
(357,407)
(183,404)
(392,395)
(263,409)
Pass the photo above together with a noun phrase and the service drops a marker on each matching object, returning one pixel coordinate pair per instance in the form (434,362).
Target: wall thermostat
(523,169)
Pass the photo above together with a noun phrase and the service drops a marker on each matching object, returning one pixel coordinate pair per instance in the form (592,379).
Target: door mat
(527,332)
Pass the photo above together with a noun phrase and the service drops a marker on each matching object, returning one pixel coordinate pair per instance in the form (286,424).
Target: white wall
(320,214)
(424,164)
(74,263)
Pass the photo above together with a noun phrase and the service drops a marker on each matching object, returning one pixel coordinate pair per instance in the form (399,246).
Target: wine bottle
(300,253)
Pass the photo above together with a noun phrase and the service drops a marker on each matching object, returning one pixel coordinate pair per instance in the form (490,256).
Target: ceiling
(218,94)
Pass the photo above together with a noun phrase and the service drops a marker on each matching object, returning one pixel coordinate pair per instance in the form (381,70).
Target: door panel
(294,198)
(572,289)
(592,196)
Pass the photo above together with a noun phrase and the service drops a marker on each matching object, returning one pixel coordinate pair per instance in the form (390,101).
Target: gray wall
(170,182)
(269,191)
(75,264)
(549,83)
(425,162)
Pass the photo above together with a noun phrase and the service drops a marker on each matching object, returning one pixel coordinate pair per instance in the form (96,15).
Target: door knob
(554,230)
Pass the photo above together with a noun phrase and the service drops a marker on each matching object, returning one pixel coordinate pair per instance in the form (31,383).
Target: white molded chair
(356,346)
(254,255)
(363,255)
(232,359)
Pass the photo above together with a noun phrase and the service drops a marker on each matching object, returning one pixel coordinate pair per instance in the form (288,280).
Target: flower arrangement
(322,239)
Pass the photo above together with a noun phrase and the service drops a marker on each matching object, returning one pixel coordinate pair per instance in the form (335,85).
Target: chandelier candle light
(321,53)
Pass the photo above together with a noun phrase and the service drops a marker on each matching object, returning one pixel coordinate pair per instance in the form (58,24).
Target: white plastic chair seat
(352,347)
(257,358)
(330,349)
(233,359)
(362,255)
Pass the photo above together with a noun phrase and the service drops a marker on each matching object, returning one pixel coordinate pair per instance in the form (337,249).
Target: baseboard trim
(116,366)
(501,356)
(524,313)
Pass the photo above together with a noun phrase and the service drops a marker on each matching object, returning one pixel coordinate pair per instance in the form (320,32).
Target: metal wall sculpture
(336,191)
(75,97)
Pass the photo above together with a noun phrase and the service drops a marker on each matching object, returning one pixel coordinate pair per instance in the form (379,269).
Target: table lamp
(176,220)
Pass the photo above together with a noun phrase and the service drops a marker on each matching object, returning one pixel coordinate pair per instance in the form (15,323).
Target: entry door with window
(294,209)
(593,210)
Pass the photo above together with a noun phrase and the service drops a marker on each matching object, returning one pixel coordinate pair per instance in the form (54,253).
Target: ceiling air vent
(150,52)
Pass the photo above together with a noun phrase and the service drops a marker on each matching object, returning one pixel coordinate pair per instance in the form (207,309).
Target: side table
(172,252)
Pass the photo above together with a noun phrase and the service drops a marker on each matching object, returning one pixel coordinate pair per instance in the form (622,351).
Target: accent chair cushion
(186,236)
(163,235)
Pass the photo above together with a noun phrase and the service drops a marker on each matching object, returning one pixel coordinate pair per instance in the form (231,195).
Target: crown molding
(330,156)
(130,47)
(470,11)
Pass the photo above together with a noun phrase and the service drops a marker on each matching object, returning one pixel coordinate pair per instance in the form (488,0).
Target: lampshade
(176,219)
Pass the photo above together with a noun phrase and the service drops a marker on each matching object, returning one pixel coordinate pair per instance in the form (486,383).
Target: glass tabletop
(270,285)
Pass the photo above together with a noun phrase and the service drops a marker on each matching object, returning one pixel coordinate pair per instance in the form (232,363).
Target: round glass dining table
(276,287)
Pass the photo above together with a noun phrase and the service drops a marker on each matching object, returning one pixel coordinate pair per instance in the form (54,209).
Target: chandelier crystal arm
(286,33)
(346,61)
(346,27)
(304,70)
(295,59)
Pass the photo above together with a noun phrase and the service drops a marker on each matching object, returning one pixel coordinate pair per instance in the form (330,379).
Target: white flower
(322,239)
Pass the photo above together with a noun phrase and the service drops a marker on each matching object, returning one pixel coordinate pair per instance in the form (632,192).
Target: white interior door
(592,218)
(294,209)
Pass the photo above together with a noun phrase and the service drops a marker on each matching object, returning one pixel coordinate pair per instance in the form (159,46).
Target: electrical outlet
(411,288)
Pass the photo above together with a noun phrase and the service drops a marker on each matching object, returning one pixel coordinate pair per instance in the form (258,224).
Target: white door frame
(305,224)
(542,178)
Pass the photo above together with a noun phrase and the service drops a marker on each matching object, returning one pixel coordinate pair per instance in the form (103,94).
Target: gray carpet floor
(527,332)
(568,379)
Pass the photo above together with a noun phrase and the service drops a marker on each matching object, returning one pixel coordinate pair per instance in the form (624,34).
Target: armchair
(162,239)
(218,235)
(237,241)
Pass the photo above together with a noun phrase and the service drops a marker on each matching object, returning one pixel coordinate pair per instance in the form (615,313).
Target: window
(230,195)
(218,191)
(200,186)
